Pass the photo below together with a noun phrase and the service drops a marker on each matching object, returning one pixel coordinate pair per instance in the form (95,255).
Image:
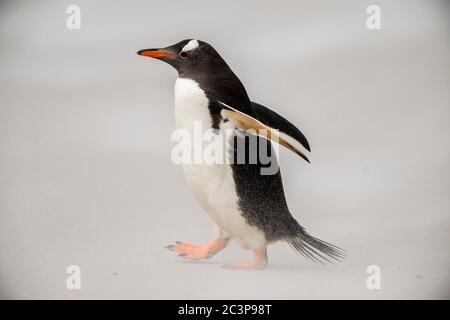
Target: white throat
(191,104)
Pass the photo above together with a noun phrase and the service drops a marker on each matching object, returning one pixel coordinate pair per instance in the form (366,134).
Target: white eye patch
(191,45)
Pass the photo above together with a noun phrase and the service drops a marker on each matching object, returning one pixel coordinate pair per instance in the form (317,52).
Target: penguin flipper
(246,122)
(276,121)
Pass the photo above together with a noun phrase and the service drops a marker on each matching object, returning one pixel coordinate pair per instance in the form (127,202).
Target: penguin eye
(183,54)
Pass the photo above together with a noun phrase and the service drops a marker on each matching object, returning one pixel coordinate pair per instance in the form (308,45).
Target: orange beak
(154,53)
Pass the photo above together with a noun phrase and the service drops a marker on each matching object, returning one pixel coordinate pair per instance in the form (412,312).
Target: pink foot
(198,252)
(259,262)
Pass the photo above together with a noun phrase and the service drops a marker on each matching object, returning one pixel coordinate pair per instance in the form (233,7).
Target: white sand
(85,171)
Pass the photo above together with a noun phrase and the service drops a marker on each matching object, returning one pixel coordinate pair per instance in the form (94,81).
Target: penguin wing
(276,121)
(263,127)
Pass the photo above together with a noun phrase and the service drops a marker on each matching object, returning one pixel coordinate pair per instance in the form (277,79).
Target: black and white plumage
(243,203)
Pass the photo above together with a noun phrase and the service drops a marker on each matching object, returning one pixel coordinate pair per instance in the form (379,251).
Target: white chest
(191,105)
(212,184)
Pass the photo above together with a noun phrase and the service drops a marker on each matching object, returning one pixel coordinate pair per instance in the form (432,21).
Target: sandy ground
(85,125)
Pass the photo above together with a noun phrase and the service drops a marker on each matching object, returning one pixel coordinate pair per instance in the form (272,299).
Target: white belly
(212,184)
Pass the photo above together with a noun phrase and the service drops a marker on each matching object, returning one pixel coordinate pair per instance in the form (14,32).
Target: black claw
(182,254)
(169,247)
(178,242)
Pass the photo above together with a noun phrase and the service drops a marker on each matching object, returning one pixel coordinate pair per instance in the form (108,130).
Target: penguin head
(187,57)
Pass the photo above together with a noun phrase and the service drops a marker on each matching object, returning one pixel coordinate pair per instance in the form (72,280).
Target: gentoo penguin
(244,204)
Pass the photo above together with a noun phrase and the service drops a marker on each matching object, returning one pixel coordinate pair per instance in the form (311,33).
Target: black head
(188,57)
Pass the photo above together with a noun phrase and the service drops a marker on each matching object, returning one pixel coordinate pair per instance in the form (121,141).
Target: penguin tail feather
(316,249)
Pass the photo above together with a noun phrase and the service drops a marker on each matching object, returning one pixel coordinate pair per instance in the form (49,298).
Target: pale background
(85,124)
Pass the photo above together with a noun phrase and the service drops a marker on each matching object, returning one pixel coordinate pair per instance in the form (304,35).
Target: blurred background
(85,123)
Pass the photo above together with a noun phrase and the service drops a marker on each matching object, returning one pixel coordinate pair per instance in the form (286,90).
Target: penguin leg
(198,251)
(259,261)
